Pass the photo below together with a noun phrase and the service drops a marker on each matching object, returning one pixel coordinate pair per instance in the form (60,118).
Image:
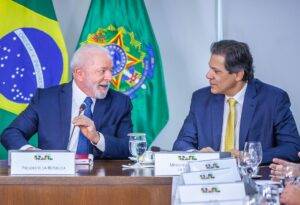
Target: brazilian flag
(124,28)
(32,55)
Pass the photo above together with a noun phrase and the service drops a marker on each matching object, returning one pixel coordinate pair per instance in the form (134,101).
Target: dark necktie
(83,142)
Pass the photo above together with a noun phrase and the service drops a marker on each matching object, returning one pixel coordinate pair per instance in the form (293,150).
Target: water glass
(148,157)
(269,194)
(289,175)
(254,153)
(137,145)
(243,162)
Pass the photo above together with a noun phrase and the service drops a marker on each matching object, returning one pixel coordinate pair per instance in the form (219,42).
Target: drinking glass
(254,153)
(244,163)
(137,145)
(269,194)
(290,173)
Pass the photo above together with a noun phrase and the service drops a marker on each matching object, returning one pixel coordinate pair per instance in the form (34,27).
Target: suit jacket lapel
(217,110)
(65,99)
(247,112)
(99,109)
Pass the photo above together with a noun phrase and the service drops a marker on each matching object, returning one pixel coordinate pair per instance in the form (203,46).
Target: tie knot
(88,102)
(232,102)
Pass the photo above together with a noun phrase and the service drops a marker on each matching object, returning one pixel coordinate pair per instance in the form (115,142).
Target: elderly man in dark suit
(102,127)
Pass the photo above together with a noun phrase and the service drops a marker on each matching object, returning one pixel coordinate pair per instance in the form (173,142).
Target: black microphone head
(82,107)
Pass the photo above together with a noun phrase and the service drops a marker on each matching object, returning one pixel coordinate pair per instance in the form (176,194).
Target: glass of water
(269,194)
(290,174)
(137,145)
(243,162)
(254,152)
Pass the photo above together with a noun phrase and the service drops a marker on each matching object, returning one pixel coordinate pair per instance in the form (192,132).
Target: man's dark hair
(237,56)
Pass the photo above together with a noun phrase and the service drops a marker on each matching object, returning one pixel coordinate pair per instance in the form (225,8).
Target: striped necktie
(83,142)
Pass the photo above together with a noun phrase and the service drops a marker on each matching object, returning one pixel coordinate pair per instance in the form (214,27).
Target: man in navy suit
(53,112)
(237,108)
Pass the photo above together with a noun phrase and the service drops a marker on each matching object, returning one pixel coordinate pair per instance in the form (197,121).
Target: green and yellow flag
(32,55)
(123,26)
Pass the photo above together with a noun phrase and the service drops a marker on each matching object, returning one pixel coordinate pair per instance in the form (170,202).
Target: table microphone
(81,109)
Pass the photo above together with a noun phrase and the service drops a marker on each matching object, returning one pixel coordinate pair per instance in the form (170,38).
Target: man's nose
(108,75)
(209,74)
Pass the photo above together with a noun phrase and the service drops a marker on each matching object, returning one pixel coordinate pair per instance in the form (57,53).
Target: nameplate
(211,176)
(216,202)
(217,164)
(42,162)
(175,163)
(213,192)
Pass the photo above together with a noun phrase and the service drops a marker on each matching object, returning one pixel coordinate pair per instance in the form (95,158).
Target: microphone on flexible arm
(81,109)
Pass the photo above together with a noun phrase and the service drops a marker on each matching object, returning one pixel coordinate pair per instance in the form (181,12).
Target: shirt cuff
(101,143)
(25,147)
(191,150)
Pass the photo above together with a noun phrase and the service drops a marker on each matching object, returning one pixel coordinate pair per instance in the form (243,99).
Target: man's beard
(99,95)
(96,92)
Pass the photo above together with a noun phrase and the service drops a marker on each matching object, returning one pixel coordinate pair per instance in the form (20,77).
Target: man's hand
(278,169)
(32,149)
(206,150)
(87,127)
(290,195)
(235,153)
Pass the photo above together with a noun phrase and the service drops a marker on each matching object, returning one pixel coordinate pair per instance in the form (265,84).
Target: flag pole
(219,20)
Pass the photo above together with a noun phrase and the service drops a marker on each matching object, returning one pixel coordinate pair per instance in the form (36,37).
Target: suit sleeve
(285,133)
(117,146)
(187,137)
(22,128)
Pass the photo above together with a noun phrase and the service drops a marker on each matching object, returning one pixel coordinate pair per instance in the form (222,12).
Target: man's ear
(78,74)
(240,75)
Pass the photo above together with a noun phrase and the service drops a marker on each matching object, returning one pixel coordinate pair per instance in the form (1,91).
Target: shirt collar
(239,97)
(78,95)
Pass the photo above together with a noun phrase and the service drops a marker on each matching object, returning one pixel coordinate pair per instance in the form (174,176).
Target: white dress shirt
(239,97)
(78,98)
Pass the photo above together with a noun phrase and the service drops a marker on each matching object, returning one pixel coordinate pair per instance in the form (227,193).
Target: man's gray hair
(79,59)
